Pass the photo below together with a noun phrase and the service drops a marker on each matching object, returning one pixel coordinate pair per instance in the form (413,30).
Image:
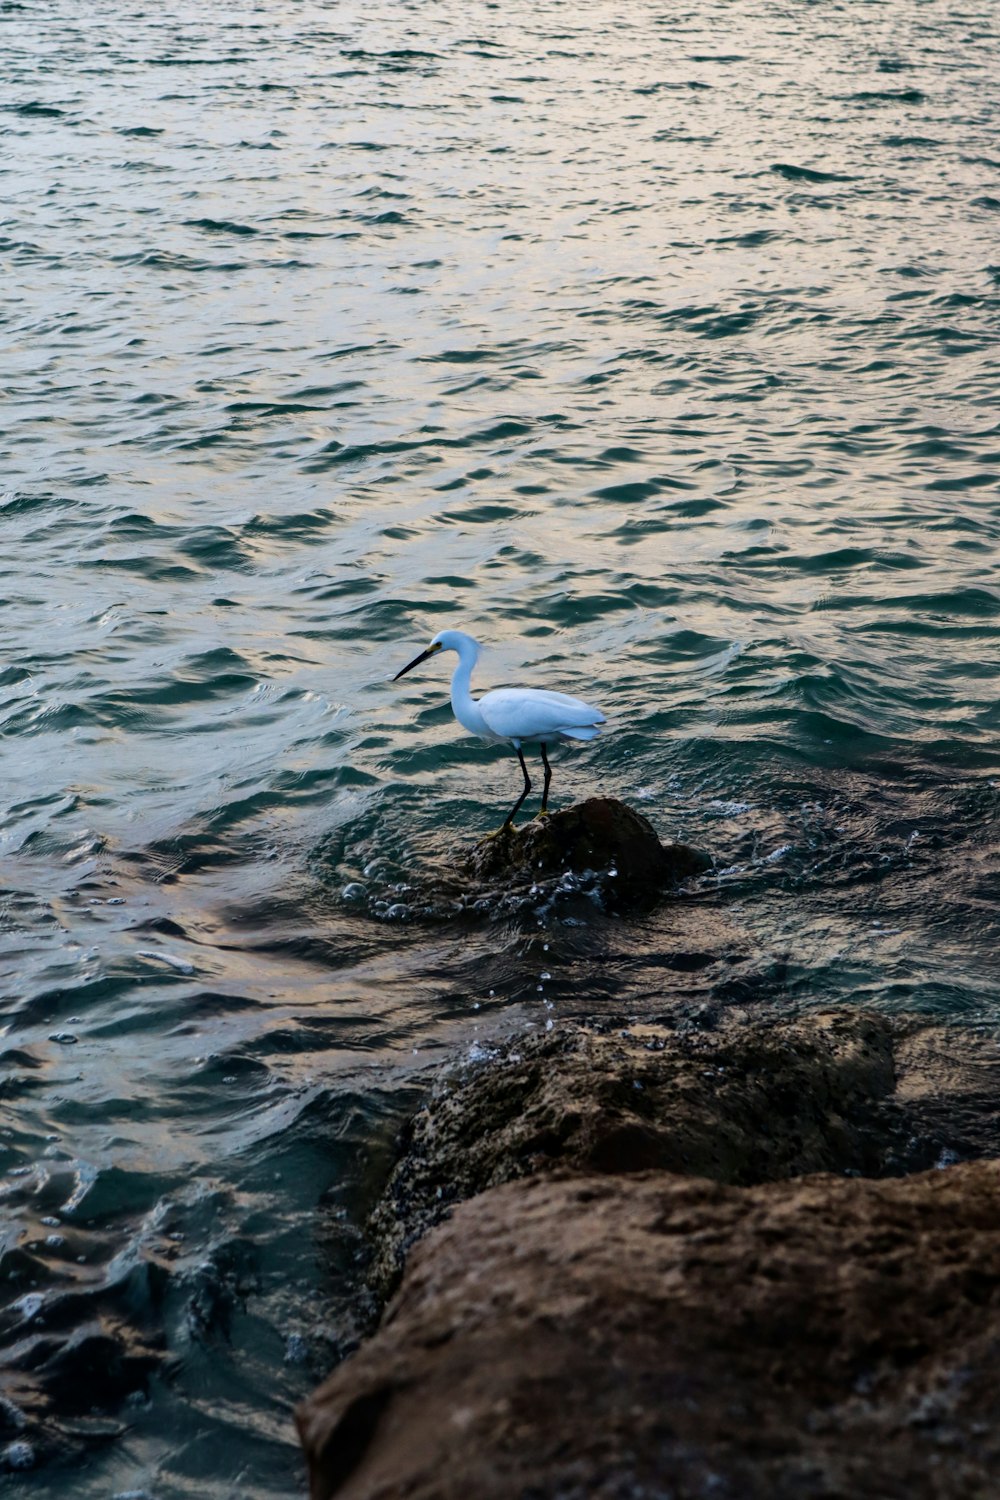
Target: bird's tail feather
(580,734)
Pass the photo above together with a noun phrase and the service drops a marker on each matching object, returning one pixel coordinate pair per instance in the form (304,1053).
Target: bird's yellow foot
(543,812)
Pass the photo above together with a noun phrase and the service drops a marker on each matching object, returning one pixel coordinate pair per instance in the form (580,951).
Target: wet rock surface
(596,854)
(599,835)
(742,1102)
(682,1259)
(652,1335)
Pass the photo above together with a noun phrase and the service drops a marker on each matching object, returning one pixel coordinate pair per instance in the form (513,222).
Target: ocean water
(656,346)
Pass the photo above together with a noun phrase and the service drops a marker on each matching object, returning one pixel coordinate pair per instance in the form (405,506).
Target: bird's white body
(515,716)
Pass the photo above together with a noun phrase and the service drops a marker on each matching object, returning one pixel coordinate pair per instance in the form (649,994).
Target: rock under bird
(518,716)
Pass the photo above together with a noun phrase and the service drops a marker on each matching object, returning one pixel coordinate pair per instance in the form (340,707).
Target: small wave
(694,84)
(221,226)
(749,240)
(389,216)
(170,260)
(174,61)
(35,109)
(793,173)
(336,454)
(888,96)
(910,140)
(462,356)
(25,502)
(393,55)
(630,493)
(171,960)
(975,481)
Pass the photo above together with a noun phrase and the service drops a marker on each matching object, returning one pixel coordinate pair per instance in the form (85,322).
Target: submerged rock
(599,835)
(651,1336)
(65,1389)
(80,1331)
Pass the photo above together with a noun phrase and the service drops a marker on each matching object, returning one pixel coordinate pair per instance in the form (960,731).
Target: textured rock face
(652,1336)
(739,1104)
(652,1284)
(600,834)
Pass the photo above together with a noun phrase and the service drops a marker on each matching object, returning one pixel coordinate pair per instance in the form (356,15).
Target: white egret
(517,715)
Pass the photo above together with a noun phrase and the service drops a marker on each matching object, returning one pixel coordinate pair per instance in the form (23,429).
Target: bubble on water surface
(18,1455)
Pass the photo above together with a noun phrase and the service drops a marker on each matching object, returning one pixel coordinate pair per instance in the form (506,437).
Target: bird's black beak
(431,651)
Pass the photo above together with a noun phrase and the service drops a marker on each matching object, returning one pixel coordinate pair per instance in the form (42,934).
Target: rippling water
(658,348)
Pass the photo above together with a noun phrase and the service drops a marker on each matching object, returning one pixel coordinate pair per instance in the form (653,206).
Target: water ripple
(662,366)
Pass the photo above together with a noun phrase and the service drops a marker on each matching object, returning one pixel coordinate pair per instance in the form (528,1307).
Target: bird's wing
(527,713)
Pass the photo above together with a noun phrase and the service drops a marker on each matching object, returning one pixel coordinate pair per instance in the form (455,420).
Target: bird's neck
(465,707)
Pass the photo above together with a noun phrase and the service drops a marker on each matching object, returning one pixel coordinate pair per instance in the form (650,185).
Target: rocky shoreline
(734,1255)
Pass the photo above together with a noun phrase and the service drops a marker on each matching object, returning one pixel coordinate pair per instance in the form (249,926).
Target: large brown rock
(651,1336)
(596,1321)
(740,1103)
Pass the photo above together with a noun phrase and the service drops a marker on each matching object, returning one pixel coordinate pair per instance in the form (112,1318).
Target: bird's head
(445,640)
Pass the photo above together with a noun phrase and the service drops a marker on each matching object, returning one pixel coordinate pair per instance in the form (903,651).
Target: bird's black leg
(548,777)
(508,821)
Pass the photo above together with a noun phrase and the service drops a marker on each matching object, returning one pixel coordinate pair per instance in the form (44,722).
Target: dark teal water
(658,348)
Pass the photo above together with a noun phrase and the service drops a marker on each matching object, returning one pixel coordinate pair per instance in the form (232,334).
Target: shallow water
(658,350)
